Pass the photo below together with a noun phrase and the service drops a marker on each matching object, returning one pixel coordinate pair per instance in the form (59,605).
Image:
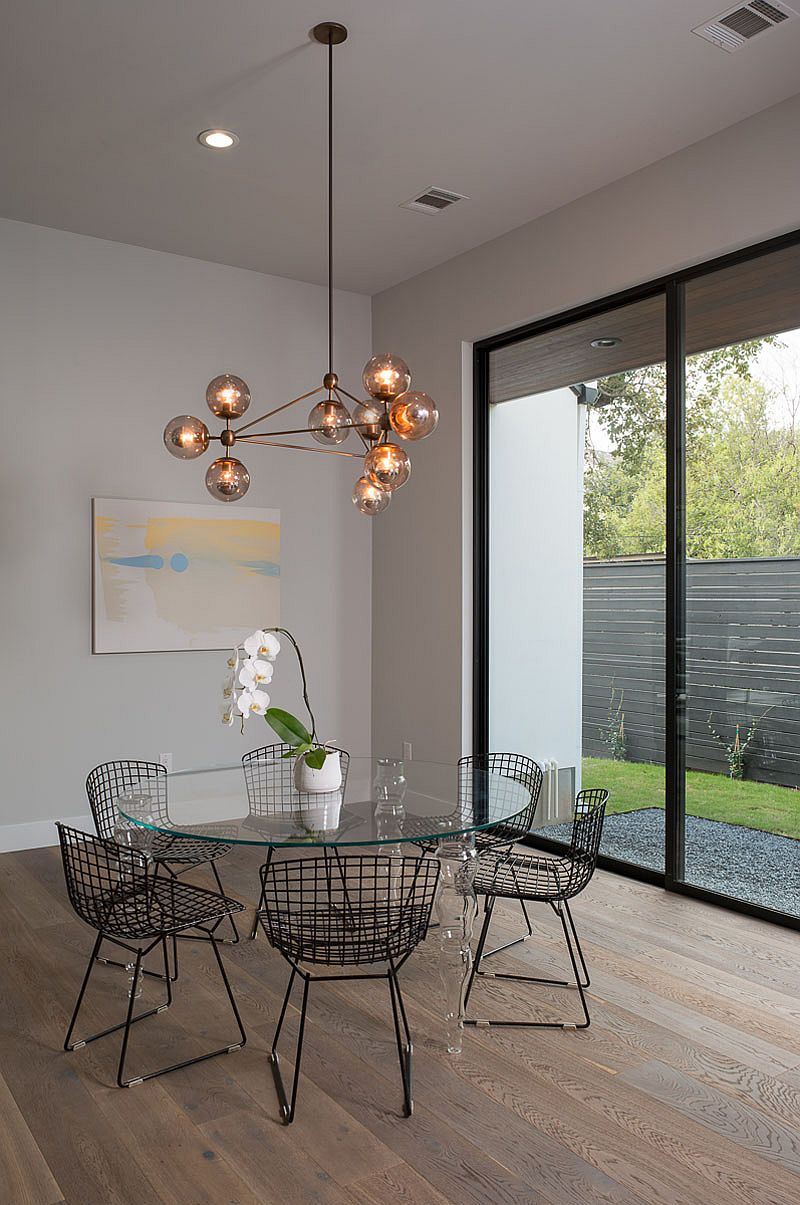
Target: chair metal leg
(584,968)
(200,1058)
(405,1050)
(563,917)
(517,940)
(228,941)
(131,1019)
(287,1107)
(488,908)
(151,1012)
(231,998)
(562,911)
(261,900)
(128,1020)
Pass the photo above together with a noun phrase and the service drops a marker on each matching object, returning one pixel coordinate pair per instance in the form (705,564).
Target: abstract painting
(173,576)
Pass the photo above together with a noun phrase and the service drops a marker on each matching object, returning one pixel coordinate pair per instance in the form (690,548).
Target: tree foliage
(742,470)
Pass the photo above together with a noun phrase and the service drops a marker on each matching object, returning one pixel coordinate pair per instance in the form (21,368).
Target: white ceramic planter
(318,782)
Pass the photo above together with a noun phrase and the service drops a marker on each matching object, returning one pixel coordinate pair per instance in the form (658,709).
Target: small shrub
(736,750)
(613,734)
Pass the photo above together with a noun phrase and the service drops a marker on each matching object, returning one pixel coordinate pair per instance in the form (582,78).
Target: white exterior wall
(536,577)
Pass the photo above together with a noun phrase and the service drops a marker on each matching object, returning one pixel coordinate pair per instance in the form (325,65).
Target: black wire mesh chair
(177,855)
(357,911)
(268,776)
(472,780)
(517,768)
(550,880)
(118,892)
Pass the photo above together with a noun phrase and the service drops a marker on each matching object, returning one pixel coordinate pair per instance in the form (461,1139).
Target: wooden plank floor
(685,1089)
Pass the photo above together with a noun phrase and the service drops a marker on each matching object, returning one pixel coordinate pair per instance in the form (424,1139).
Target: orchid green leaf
(287,726)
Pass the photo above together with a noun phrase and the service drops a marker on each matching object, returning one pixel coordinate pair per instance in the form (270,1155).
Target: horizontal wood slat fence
(743,660)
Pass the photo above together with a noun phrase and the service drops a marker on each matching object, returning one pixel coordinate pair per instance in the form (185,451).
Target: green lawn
(635,785)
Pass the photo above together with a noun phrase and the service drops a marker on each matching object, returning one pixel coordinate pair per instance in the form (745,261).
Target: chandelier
(391,409)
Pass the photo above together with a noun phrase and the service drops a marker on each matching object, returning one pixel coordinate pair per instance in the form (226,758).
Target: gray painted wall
(100,344)
(738,187)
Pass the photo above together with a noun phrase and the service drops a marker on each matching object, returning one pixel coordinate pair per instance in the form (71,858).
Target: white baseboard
(38,833)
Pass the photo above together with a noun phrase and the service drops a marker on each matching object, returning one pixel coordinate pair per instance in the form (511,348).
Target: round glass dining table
(393,806)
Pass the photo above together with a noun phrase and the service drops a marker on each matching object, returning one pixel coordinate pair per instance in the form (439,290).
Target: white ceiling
(521,105)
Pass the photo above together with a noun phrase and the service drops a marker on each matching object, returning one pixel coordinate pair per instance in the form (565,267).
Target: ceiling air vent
(433,200)
(733,29)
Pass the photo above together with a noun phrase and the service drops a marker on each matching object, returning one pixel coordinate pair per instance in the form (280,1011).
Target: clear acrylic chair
(177,855)
(553,880)
(118,892)
(357,911)
(268,776)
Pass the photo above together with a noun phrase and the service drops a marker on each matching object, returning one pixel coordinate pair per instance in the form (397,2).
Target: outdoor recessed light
(606,341)
(218,140)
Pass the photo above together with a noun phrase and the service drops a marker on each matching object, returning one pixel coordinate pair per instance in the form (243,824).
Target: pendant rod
(330,201)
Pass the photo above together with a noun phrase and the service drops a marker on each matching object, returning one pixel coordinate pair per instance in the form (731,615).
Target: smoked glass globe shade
(414,415)
(387,466)
(369,498)
(186,437)
(332,420)
(385,376)
(228,396)
(367,418)
(227,479)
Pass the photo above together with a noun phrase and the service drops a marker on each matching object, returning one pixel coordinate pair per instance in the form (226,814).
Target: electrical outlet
(166,760)
(407,751)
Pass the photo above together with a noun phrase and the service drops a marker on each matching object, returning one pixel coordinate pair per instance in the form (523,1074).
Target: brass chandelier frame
(390,409)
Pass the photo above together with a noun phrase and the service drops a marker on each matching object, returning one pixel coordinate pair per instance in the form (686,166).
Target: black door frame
(673,288)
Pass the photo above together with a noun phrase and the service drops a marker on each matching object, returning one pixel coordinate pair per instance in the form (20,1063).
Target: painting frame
(181,576)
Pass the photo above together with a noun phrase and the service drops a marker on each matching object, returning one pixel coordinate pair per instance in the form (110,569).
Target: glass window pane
(742,828)
(577,568)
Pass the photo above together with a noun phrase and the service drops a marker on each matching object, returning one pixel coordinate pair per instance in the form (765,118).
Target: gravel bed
(729,858)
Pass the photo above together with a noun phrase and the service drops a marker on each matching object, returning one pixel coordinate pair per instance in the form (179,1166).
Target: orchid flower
(262,644)
(250,664)
(253,702)
(254,673)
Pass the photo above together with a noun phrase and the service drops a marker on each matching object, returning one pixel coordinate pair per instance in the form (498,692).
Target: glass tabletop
(380,802)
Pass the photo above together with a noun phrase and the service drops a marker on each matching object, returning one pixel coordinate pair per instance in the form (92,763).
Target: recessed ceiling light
(218,140)
(606,341)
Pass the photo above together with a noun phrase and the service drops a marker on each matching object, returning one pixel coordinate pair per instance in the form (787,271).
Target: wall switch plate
(165,759)
(407,751)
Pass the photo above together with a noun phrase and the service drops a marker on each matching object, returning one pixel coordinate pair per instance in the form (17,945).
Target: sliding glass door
(742,590)
(637,572)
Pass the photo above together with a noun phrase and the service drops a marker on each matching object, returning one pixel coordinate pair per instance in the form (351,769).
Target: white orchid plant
(251,668)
